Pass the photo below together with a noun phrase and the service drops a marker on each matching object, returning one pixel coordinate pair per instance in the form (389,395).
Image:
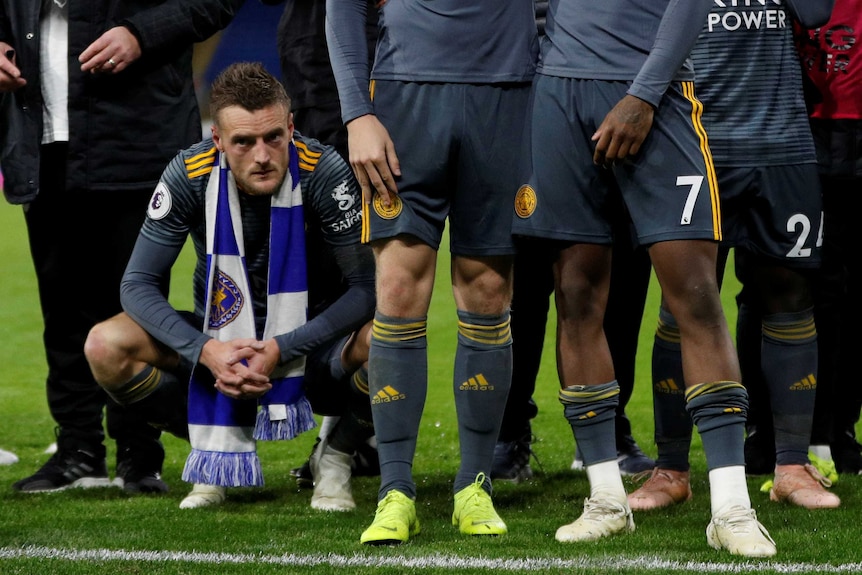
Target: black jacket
(123,128)
(303,54)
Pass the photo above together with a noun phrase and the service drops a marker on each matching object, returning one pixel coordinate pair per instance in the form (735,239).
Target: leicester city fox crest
(387,212)
(525,201)
(227,301)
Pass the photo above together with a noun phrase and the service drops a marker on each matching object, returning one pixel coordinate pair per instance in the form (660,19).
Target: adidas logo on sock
(478,383)
(386,395)
(667,386)
(805,384)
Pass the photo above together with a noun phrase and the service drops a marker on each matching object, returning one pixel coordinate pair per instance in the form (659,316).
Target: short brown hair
(247,85)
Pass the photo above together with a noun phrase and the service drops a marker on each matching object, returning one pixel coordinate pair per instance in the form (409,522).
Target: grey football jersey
(645,42)
(748,77)
(451,41)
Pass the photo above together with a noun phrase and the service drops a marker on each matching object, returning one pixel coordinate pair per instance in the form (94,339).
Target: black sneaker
(512,461)
(847,454)
(139,467)
(66,469)
(304,478)
(137,479)
(631,459)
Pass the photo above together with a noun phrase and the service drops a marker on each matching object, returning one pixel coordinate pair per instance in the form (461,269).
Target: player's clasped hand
(238,366)
(242,389)
(622,132)
(253,363)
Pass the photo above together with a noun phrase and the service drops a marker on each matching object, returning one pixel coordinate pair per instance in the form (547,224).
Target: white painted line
(443,562)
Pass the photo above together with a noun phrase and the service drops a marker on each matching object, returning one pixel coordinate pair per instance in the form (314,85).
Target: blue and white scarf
(222,431)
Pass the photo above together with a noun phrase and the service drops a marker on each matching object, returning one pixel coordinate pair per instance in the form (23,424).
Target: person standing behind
(832,61)
(96,98)
(617,116)
(833,92)
(532,286)
(750,84)
(436,139)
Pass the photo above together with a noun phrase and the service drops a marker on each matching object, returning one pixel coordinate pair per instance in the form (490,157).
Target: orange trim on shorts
(711,177)
(365,234)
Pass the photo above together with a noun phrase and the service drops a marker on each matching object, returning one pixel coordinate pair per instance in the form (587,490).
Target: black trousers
(838,288)
(80,243)
(323,123)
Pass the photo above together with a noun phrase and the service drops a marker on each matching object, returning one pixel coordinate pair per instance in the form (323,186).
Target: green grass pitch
(273,529)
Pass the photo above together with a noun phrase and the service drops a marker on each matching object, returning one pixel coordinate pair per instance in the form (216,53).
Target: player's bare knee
(105,355)
(488,293)
(694,302)
(96,348)
(400,296)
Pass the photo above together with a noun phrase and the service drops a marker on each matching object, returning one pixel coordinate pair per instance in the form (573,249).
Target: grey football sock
(718,410)
(398,384)
(672,422)
(590,410)
(789,365)
(482,377)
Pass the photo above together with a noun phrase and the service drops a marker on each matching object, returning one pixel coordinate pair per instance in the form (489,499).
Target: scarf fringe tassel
(300,418)
(223,469)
